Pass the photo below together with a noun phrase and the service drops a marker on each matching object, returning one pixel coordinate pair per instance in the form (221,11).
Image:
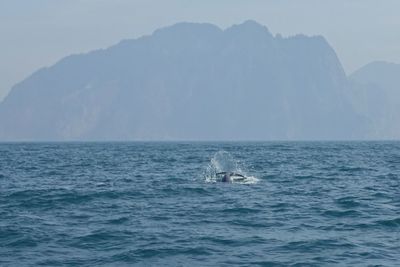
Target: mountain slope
(376,94)
(188,81)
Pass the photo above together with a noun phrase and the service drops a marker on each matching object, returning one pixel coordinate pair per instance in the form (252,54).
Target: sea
(162,204)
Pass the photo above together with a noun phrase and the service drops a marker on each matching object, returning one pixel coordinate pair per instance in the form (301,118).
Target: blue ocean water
(160,204)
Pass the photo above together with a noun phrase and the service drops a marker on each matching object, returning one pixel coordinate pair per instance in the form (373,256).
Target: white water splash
(223,161)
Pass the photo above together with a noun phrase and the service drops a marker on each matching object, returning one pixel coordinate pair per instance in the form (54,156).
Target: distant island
(194,81)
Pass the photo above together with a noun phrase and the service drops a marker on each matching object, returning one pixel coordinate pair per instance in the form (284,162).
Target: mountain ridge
(189,81)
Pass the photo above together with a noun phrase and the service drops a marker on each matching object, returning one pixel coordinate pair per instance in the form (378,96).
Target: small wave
(347,202)
(241,210)
(304,176)
(118,220)
(315,245)
(352,169)
(340,213)
(390,222)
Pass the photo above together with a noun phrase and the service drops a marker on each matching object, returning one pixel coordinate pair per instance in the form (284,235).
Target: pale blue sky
(38,33)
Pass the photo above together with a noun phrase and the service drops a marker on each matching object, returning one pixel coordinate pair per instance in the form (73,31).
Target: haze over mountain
(197,82)
(376,94)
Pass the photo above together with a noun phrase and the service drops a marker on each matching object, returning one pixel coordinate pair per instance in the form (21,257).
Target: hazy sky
(40,32)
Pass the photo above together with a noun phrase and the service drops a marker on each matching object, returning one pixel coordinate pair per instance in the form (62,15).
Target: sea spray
(223,161)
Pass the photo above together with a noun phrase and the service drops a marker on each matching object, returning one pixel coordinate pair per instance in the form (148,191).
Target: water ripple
(147,204)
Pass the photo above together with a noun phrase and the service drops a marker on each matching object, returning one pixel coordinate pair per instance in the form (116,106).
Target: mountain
(376,94)
(189,81)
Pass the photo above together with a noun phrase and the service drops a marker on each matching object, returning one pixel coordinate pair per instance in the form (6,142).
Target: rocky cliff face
(189,81)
